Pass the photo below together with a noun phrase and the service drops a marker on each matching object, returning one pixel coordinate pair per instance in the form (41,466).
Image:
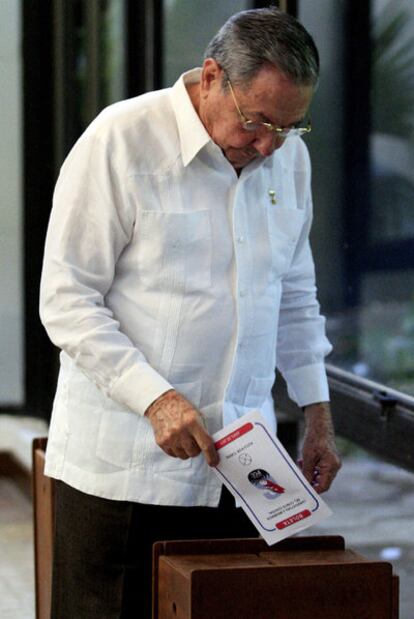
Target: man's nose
(267,143)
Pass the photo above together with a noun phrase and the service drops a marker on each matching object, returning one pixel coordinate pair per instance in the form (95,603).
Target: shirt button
(242,293)
(240,239)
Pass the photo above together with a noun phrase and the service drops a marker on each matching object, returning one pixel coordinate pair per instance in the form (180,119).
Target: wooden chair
(43,520)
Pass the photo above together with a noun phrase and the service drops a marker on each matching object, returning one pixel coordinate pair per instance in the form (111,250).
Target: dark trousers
(102,564)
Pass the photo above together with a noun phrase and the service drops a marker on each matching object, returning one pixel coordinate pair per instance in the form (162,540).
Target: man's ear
(211,75)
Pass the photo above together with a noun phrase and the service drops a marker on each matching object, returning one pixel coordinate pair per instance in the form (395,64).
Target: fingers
(310,472)
(321,480)
(189,446)
(206,444)
(195,440)
(327,472)
(321,471)
(178,429)
(180,453)
(321,461)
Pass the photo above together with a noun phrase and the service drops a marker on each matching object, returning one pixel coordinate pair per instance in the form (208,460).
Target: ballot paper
(265,481)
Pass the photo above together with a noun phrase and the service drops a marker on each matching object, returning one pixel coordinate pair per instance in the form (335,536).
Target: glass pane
(11,299)
(188,27)
(112,57)
(374,335)
(388,296)
(80,111)
(97,60)
(325,21)
(392,137)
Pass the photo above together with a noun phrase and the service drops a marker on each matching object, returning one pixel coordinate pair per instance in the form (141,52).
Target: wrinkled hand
(320,460)
(178,428)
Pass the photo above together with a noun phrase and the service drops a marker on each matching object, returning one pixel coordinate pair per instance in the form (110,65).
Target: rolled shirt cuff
(139,387)
(307,384)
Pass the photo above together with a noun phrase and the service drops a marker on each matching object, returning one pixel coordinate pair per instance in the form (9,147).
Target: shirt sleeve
(91,223)
(302,343)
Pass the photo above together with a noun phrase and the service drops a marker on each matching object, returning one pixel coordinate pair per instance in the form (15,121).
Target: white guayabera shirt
(164,269)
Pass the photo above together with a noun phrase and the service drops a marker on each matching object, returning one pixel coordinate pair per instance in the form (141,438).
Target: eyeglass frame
(251,125)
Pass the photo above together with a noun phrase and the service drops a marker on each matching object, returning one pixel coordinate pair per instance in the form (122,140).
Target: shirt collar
(193,135)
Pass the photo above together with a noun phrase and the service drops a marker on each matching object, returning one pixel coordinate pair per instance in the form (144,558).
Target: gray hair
(251,39)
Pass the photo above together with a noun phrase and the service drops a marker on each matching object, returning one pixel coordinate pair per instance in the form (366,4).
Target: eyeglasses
(282,132)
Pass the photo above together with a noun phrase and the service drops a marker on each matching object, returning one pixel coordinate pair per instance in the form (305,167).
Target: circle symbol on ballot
(245,459)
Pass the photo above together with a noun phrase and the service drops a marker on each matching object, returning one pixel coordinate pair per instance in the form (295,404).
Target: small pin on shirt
(272,196)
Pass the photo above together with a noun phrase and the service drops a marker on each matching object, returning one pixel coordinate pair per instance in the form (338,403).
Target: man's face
(270,97)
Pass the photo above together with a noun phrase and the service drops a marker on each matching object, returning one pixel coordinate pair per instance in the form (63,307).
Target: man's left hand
(320,459)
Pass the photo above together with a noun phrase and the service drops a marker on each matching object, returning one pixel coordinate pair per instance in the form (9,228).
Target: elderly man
(177,276)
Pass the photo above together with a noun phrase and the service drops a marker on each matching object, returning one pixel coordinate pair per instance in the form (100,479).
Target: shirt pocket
(175,249)
(119,429)
(284,227)
(126,440)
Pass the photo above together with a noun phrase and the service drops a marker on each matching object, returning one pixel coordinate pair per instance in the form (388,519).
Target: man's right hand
(178,428)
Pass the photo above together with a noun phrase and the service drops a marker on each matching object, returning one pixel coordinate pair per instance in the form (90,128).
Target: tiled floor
(16,554)
(16,526)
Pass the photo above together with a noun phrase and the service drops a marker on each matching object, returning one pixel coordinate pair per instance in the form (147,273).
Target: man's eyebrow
(249,113)
(259,115)
(265,119)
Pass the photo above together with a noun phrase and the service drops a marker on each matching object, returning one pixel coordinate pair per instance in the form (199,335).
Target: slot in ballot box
(299,578)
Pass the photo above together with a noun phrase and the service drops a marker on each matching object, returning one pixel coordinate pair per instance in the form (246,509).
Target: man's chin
(240,160)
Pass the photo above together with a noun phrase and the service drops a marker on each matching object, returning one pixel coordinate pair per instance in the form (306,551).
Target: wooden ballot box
(299,578)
